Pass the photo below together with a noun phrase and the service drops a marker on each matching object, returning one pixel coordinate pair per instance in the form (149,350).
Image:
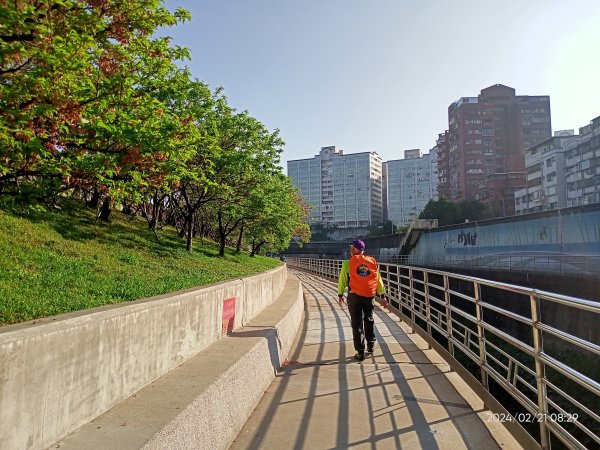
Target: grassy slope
(55,263)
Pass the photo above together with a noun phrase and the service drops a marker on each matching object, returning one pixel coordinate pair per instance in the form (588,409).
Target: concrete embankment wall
(59,373)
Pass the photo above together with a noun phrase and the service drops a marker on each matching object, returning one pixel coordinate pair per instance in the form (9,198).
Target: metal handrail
(588,265)
(501,356)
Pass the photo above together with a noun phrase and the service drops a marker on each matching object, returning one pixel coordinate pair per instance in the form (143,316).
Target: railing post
(448,315)
(427,303)
(540,372)
(412,295)
(398,290)
(480,335)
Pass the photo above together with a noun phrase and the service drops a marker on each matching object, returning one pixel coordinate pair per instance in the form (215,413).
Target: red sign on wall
(228,314)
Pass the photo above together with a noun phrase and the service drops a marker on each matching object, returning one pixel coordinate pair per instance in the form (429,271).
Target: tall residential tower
(488,135)
(343,190)
(410,183)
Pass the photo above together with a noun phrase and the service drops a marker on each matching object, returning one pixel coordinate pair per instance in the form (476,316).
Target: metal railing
(538,347)
(577,265)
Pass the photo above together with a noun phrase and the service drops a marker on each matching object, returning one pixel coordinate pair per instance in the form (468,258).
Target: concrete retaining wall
(59,373)
(215,417)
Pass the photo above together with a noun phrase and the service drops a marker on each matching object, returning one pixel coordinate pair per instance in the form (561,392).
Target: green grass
(54,263)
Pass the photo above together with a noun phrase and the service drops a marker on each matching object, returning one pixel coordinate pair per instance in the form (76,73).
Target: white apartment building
(545,175)
(582,166)
(343,190)
(562,171)
(410,184)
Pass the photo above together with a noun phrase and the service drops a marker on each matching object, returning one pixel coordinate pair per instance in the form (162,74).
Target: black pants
(361,319)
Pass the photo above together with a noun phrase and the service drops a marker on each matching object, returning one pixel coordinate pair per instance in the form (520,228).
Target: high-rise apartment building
(443,162)
(545,171)
(562,171)
(409,184)
(582,166)
(489,133)
(343,190)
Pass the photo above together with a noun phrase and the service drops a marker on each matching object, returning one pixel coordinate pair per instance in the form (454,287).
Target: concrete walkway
(404,396)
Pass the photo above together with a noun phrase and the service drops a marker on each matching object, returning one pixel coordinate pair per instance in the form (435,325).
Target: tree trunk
(222,235)
(93,203)
(256,248)
(239,242)
(202,231)
(105,211)
(190,232)
(222,246)
(155,209)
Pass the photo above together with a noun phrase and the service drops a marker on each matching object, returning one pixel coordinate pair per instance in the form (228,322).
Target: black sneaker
(369,349)
(360,356)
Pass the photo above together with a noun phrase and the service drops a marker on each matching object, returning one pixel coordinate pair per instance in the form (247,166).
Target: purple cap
(358,244)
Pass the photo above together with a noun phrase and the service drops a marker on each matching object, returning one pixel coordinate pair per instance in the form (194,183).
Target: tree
(91,102)
(471,210)
(279,214)
(381,230)
(192,177)
(443,209)
(448,212)
(76,96)
(230,156)
(248,154)
(320,232)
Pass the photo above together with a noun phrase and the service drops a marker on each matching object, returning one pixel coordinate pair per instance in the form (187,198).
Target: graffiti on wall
(467,238)
(565,232)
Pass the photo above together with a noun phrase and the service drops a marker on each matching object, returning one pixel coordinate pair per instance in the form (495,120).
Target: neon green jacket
(345,276)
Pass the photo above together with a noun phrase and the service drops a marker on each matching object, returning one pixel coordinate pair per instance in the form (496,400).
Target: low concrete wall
(59,373)
(214,418)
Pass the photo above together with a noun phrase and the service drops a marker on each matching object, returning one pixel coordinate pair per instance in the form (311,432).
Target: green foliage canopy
(93,103)
(449,213)
(76,103)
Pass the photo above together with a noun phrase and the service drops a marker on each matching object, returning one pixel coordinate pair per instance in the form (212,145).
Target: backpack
(363,275)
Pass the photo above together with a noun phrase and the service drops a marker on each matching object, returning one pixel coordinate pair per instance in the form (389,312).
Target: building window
(540,119)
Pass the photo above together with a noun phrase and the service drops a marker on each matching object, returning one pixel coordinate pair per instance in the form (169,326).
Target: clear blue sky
(380,75)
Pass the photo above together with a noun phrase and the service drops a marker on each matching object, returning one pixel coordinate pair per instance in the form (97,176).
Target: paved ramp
(402,397)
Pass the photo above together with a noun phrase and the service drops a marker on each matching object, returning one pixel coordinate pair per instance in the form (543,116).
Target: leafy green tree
(248,154)
(192,179)
(449,213)
(92,102)
(76,96)
(321,233)
(443,209)
(231,155)
(279,214)
(381,230)
(471,210)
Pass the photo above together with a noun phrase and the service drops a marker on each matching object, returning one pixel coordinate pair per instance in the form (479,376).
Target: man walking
(360,274)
